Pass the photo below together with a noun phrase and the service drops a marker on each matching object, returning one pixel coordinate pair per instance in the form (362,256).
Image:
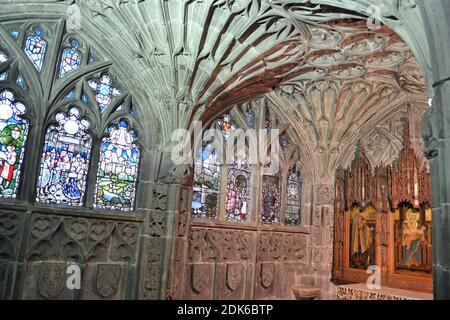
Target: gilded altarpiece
(383,218)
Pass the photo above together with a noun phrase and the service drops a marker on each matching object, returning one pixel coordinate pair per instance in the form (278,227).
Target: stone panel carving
(282,247)
(108,279)
(324,194)
(157,224)
(10,226)
(51,279)
(159,197)
(99,247)
(200,279)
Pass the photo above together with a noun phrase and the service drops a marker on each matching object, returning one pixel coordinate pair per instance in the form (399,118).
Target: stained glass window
(238,192)
(271,199)
(92,58)
(104,91)
(14,33)
(206,183)
(20,81)
(251,118)
(3,58)
(226,125)
(35,48)
(65,161)
(118,169)
(13,134)
(69,95)
(85,99)
(71,59)
(293,197)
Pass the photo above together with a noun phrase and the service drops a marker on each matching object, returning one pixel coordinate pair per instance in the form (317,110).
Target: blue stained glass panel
(14,33)
(70,60)
(20,81)
(35,48)
(294,197)
(3,58)
(104,91)
(251,118)
(13,134)
(69,95)
(206,184)
(85,99)
(118,169)
(65,161)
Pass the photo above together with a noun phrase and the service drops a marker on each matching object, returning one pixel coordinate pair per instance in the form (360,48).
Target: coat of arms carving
(108,279)
(199,277)
(234,276)
(51,279)
(267,274)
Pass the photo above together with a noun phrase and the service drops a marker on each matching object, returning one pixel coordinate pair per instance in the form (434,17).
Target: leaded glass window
(13,134)
(3,58)
(35,48)
(20,81)
(14,33)
(293,197)
(251,118)
(271,199)
(70,59)
(118,169)
(206,183)
(226,125)
(104,91)
(238,192)
(70,95)
(65,160)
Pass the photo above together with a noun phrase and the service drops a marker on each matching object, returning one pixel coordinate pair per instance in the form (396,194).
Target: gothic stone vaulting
(91,92)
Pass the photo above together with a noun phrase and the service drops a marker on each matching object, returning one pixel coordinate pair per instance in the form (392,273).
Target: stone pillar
(436,134)
(322,225)
(163,197)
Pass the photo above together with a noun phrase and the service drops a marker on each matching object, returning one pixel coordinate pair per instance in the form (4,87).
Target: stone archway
(178,83)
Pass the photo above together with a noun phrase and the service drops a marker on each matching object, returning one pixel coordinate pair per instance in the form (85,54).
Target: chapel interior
(356,93)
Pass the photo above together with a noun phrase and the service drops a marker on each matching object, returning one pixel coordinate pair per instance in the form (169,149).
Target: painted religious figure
(237,198)
(413,251)
(362,246)
(13,133)
(65,161)
(271,200)
(206,183)
(118,169)
(412,238)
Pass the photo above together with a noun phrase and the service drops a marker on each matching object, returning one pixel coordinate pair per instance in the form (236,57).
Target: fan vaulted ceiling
(332,78)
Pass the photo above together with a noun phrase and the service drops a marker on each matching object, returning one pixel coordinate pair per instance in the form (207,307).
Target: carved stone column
(436,135)
(164,197)
(322,238)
